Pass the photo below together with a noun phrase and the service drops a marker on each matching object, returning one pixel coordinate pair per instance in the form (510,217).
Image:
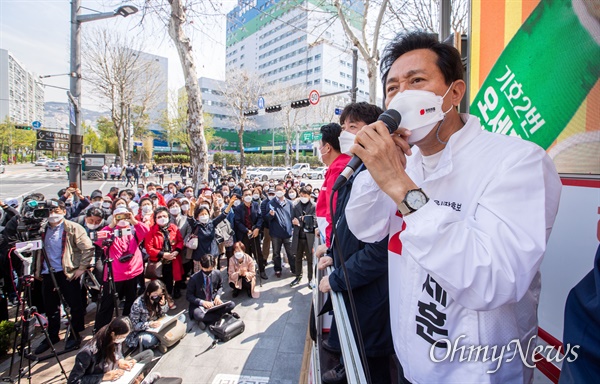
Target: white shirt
(465,267)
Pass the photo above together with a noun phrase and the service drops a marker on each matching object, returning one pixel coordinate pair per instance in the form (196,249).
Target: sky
(37,34)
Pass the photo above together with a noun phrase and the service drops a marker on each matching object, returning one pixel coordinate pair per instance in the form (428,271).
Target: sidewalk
(270,349)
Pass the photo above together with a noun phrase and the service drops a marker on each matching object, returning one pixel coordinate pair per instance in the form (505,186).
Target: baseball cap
(12,202)
(96,194)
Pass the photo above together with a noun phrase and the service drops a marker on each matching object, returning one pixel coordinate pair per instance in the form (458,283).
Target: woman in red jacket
(168,251)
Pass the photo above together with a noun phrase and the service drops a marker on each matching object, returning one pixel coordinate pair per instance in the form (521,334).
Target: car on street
(317,173)
(55,166)
(61,158)
(301,170)
(41,162)
(266,173)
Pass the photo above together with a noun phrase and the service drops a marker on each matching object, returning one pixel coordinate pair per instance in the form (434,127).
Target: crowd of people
(438,237)
(193,232)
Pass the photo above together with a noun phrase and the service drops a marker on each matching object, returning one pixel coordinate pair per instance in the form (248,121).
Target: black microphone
(391,118)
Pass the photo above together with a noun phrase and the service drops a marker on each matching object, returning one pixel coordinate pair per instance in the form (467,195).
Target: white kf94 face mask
(420,111)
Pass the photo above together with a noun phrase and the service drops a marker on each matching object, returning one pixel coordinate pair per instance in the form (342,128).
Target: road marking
(222,378)
(102,186)
(34,189)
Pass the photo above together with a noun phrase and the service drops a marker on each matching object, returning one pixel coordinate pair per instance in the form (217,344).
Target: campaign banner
(543,75)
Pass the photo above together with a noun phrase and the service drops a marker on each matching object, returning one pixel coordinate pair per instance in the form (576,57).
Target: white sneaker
(311,285)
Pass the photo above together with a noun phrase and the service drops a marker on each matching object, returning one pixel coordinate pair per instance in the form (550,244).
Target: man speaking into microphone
(468,214)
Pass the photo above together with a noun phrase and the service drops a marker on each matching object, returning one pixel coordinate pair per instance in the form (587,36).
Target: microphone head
(391,118)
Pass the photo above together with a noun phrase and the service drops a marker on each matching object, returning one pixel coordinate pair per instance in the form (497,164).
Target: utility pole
(354,73)
(75,89)
(74,93)
(445,11)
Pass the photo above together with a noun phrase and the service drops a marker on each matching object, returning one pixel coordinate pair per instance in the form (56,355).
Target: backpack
(227,327)
(223,232)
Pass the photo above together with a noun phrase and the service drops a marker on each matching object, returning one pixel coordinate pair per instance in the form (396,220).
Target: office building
(21,97)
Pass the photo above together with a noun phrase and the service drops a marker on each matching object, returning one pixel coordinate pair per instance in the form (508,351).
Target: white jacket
(466,266)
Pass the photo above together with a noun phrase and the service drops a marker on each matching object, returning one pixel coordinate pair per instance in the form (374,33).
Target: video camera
(33,219)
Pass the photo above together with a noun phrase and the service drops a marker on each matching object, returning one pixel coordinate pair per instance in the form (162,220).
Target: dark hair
(362,111)
(304,191)
(112,189)
(449,61)
(61,204)
(116,200)
(172,202)
(199,209)
(104,338)
(159,210)
(144,199)
(206,261)
(152,307)
(240,245)
(94,212)
(330,134)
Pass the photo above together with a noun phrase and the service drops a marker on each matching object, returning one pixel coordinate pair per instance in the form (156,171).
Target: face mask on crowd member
(410,104)
(203,216)
(279,191)
(292,194)
(174,209)
(185,205)
(189,193)
(147,207)
(94,218)
(323,150)
(247,197)
(140,189)
(161,217)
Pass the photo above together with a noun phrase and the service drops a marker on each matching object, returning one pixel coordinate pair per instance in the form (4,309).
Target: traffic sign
(314,97)
(138,144)
(52,136)
(307,136)
(338,111)
(261,103)
(36,125)
(52,146)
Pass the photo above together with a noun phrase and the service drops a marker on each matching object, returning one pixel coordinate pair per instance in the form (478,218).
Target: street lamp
(75,93)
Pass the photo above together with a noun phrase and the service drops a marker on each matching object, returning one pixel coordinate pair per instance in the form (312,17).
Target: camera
(308,223)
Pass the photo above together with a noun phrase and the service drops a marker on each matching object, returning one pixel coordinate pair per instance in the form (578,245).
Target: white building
(293,43)
(21,97)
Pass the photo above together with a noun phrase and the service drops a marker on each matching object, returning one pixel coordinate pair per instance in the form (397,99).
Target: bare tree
(122,78)
(242,89)
(423,15)
(368,41)
(289,119)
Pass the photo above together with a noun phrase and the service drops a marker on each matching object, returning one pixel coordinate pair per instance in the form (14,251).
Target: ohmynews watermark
(529,356)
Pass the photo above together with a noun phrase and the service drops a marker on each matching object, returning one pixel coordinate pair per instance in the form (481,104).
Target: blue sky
(37,33)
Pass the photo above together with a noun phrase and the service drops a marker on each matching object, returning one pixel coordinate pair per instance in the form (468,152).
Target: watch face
(415,199)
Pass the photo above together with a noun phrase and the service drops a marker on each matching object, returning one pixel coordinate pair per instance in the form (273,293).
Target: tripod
(260,260)
(29,314)
(112,288)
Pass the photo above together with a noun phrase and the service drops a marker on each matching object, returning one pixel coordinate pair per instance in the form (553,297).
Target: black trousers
(253,249)
(167,277)
(71,291)
(304,250)
(209,318)
(105,312)
(287,244)
(246,286)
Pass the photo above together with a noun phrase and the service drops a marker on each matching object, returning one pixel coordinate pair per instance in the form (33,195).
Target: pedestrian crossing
(34,176)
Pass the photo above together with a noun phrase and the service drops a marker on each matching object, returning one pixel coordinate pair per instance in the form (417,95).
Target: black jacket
(88,368)
(240,219)
(206,236)
(280,225)
(195,288)
(367,266)
(299,212)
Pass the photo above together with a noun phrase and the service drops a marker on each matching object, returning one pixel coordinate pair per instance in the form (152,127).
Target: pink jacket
(122,246)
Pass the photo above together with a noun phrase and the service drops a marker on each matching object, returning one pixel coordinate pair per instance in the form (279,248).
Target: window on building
(317,81)
(317,56)
(327,81)
(317,69)
(335,83)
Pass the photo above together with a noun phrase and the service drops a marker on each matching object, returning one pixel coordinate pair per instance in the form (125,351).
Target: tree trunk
(198,147)
(241,140)
(373,81)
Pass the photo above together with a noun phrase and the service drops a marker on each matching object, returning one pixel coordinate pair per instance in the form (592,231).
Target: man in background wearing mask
(204,291)
(247,222)
(304,236)
(330,154)
(70,252)
(152,189)
(468,213)
(367,266)
(279,216)
(74,201)
(264,209)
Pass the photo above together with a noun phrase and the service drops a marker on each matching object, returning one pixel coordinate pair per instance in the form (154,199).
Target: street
(23,179)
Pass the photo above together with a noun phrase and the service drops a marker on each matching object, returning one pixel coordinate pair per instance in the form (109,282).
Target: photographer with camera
(120,240)
(74,201)
(7,276)
(69,250)
(304,222)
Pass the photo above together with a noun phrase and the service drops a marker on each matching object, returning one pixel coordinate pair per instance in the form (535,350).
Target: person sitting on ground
(145,312)
(242,274)
(204,291)
(101,359)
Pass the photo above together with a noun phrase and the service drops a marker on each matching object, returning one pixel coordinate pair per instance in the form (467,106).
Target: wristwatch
(414,199)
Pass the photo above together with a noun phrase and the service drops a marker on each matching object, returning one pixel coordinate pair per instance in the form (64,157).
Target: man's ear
(458,92)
